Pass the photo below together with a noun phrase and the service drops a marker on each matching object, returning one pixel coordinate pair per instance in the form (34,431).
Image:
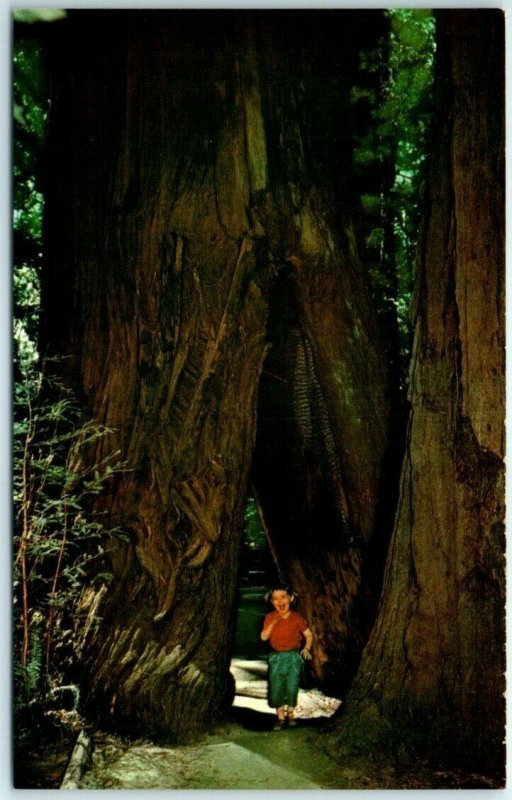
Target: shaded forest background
(84,520)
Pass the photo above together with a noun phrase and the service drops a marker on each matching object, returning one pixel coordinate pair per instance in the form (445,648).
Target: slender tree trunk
(187,156)
(432,674)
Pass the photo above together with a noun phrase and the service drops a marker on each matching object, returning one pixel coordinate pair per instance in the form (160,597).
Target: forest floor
(246,753)
(243,754)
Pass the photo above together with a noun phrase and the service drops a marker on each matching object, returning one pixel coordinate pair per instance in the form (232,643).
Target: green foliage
(254,535)
(391,158)
(27,678)
(57,534)
(29,110)
(407,110)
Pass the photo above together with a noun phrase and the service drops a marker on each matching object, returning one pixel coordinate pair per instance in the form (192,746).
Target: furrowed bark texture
(186,159)
(167,341)
(432,672)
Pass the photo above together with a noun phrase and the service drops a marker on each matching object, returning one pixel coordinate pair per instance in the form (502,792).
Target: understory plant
(59,536)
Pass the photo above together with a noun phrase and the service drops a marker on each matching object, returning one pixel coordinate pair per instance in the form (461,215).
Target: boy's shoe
(280,725)
(292,722)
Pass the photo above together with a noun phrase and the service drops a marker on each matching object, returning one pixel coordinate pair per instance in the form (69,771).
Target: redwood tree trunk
(188,169)
(166,336)
(432,673)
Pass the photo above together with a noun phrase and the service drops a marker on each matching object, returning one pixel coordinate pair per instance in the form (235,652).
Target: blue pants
(284,674)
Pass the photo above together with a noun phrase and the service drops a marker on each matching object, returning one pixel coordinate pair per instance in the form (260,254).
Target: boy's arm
(308,636)
(265,634)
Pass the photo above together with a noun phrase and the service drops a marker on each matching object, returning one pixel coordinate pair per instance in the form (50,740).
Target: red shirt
(286,634)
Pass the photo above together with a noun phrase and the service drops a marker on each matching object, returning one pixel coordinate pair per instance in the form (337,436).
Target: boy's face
(281,601)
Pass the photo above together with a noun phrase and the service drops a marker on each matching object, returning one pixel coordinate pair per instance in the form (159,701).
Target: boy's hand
(306,654)
(265,634)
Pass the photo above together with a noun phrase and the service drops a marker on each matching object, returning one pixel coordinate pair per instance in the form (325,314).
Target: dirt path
(227,760)
(247,754)
(244,754)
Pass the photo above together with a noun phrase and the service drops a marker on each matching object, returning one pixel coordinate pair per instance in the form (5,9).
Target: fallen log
(79,761)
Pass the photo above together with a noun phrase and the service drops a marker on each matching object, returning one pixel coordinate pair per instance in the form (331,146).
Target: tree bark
(166,333)
(178,191)
(432,675)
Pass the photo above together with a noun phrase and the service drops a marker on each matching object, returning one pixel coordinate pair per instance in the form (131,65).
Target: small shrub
(58,535)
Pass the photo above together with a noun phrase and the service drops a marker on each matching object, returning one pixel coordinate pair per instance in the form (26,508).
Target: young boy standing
(290,638)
